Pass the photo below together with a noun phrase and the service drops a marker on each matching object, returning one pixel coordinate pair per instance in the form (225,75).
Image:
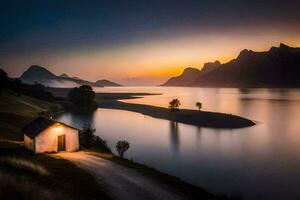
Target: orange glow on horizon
(158,58)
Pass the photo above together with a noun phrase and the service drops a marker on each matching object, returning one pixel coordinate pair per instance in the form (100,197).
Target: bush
(101,144)
(122,147)
(88,140)
(86,136)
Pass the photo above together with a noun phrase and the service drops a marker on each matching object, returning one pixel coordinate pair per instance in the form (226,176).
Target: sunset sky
(150,40)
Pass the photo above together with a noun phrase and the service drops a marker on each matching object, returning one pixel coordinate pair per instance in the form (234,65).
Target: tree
(199,105)
(100,144)
(88,140)
(122,147)
(86,136)
(16,85)
(3,80)
(174,104)
(83,97)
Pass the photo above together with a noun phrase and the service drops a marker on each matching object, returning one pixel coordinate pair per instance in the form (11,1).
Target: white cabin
(46,135)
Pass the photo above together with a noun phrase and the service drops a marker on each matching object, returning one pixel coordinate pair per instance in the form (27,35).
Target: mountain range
(41,75)
(278,67)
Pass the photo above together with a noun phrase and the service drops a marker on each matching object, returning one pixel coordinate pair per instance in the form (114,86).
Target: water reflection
(198,136)
(174,136)
(79,119)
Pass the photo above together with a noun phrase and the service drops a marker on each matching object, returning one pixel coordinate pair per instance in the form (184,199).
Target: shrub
(86,136)
(122,147)
(101,144)
(89,140)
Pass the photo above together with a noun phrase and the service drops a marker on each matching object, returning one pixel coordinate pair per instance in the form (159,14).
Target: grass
(24,105)
(16,111)
(25,175)
(42,176)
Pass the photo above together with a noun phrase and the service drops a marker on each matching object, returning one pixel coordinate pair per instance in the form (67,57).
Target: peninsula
(186,116)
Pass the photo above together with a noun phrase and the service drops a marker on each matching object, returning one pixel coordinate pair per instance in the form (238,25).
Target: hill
(278,67)
(107,83)
(191,74)
(41,75)
(19,110)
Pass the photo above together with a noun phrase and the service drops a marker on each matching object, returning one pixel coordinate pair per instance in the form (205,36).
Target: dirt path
(120,182)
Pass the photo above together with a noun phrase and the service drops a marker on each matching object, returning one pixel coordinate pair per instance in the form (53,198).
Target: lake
(260,162)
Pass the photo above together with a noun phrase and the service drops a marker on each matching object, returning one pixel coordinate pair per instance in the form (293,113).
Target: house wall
(29,143)
(47,141)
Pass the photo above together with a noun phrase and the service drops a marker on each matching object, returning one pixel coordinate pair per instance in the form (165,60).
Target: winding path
(120,182)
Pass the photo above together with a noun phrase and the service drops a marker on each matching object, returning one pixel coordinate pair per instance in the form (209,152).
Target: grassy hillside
(16,111)
(25,175)
(24,105)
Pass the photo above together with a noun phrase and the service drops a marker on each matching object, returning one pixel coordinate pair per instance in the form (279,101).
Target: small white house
(47,135)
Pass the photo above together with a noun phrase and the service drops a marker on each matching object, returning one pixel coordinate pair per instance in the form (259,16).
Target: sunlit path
(121,183)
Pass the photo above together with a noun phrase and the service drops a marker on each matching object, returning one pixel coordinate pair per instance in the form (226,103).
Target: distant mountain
(105,82)
(278,67)
(210,66)
(191,74)
(37,73)
(184,79)
(64,75)
(41,75)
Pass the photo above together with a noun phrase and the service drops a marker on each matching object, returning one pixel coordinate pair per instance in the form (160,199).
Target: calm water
(261,162)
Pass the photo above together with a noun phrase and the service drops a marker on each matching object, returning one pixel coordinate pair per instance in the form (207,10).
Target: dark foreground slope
(25,175)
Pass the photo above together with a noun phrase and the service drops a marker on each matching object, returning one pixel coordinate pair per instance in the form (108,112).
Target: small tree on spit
(199,105)
(174,105)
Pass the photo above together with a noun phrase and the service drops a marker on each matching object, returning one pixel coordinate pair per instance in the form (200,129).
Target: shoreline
(186,116)
(192,117)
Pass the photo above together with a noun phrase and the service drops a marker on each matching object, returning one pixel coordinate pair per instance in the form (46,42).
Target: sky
(138,40)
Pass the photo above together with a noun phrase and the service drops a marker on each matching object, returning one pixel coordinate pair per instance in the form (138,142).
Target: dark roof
(38,125)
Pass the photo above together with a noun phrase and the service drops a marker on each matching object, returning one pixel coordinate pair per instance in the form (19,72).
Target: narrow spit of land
(192,117)
(186,116)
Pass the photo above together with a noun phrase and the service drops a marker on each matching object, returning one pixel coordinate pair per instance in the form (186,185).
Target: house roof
(38,125)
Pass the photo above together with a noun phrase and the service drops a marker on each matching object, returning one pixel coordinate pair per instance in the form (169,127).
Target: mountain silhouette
(41,75)
(278,67)
(191,74)
(105,82)
(64,75)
